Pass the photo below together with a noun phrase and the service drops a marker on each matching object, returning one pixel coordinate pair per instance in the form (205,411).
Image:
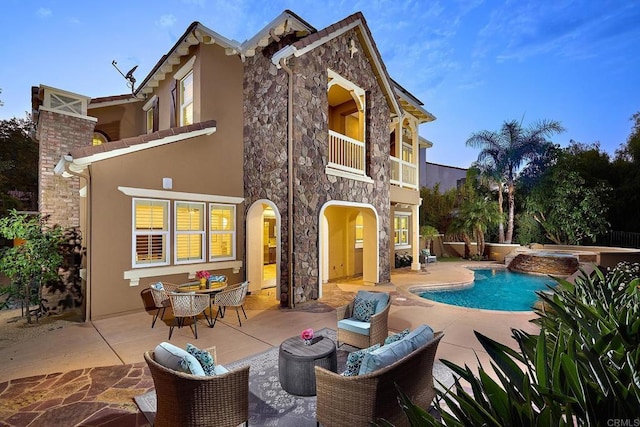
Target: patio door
(263,246)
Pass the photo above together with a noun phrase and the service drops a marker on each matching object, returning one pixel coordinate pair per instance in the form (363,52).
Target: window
(182,95)
(99,138)
(401,227)
(186,99)
(150,120)
(222,232)
(189,232)
(151,232)
(151,114)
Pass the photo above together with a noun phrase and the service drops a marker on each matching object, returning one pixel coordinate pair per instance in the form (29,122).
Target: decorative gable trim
(355,21)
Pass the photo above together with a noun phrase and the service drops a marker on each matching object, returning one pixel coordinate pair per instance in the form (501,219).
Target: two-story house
(288,160)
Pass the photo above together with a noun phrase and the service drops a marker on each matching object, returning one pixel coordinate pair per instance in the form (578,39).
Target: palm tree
(504,153)
(476,215)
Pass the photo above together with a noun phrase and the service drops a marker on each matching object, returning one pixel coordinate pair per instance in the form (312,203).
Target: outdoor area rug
(269,404)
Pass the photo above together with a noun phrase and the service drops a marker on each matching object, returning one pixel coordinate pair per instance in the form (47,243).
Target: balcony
(346,154)
(403,174)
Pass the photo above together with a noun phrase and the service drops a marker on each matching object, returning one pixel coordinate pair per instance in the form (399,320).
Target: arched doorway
(263,246)
(348,242)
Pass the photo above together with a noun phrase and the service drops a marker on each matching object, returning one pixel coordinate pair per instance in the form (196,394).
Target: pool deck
(123,339)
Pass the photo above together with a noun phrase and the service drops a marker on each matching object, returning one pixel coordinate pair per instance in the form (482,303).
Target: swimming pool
(495,289)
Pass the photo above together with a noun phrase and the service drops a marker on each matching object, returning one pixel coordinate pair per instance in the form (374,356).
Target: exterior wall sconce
(167,183)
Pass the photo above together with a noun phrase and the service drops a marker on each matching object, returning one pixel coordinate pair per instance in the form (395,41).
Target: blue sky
(474,64)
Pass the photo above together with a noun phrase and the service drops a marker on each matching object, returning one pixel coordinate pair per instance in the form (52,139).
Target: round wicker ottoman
(297,360)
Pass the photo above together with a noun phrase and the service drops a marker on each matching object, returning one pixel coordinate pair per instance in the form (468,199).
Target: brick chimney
(62,124)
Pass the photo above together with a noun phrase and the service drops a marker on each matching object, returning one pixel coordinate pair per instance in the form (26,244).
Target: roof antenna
(131,81)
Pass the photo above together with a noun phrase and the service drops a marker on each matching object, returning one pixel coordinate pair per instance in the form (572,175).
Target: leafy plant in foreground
(583,368)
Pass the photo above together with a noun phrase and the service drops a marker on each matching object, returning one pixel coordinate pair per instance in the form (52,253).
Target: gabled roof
(79,158)
(106,101)
(197,33)
(412,105)
(355,21)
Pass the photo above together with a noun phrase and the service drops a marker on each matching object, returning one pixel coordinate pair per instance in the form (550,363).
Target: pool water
(495,289)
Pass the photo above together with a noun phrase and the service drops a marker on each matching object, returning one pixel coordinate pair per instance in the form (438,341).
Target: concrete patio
(123,339)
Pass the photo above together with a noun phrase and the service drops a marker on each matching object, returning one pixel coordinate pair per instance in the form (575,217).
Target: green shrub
(583,368)
(29,264)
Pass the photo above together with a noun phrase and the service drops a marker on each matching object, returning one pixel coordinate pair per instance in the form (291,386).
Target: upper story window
(347,126)
(99,138)
(189,232)
(150,232)
(184,97)
(407,143)
(151,114)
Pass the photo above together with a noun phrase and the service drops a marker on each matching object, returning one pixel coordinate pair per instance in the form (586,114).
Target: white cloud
(166,21)
(43,12)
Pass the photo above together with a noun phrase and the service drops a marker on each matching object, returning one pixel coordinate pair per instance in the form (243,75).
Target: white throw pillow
(172,357)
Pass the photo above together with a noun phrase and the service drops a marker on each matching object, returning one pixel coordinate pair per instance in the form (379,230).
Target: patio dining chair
(160,293)
(188,305)
(233,297)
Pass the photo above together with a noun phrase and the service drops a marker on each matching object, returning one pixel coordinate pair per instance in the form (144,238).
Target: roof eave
(82,162)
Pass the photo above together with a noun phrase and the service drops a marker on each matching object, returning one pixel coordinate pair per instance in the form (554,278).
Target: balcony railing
(403,173)
(346,154)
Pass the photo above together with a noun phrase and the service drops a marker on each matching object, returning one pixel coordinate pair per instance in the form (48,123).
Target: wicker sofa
(359,400)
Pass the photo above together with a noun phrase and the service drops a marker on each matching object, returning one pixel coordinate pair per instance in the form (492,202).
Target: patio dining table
(213,289)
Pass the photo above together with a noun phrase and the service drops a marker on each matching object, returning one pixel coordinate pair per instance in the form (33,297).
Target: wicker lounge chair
(359,400)
(378,329)
(192,400)
(161,298)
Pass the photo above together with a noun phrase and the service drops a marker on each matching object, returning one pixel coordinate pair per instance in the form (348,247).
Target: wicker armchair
(378,329)
(192,400)
(188,305)
(360,400)
(233,297)
(161,298)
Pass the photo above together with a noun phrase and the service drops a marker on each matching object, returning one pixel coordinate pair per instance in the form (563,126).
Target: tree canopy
(504,153)
(18,166)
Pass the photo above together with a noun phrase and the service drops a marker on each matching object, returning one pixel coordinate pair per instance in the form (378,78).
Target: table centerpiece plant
(203,276)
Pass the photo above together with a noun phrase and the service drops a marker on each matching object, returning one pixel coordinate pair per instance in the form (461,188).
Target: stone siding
(265,144)
(265,136)
(57,134)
